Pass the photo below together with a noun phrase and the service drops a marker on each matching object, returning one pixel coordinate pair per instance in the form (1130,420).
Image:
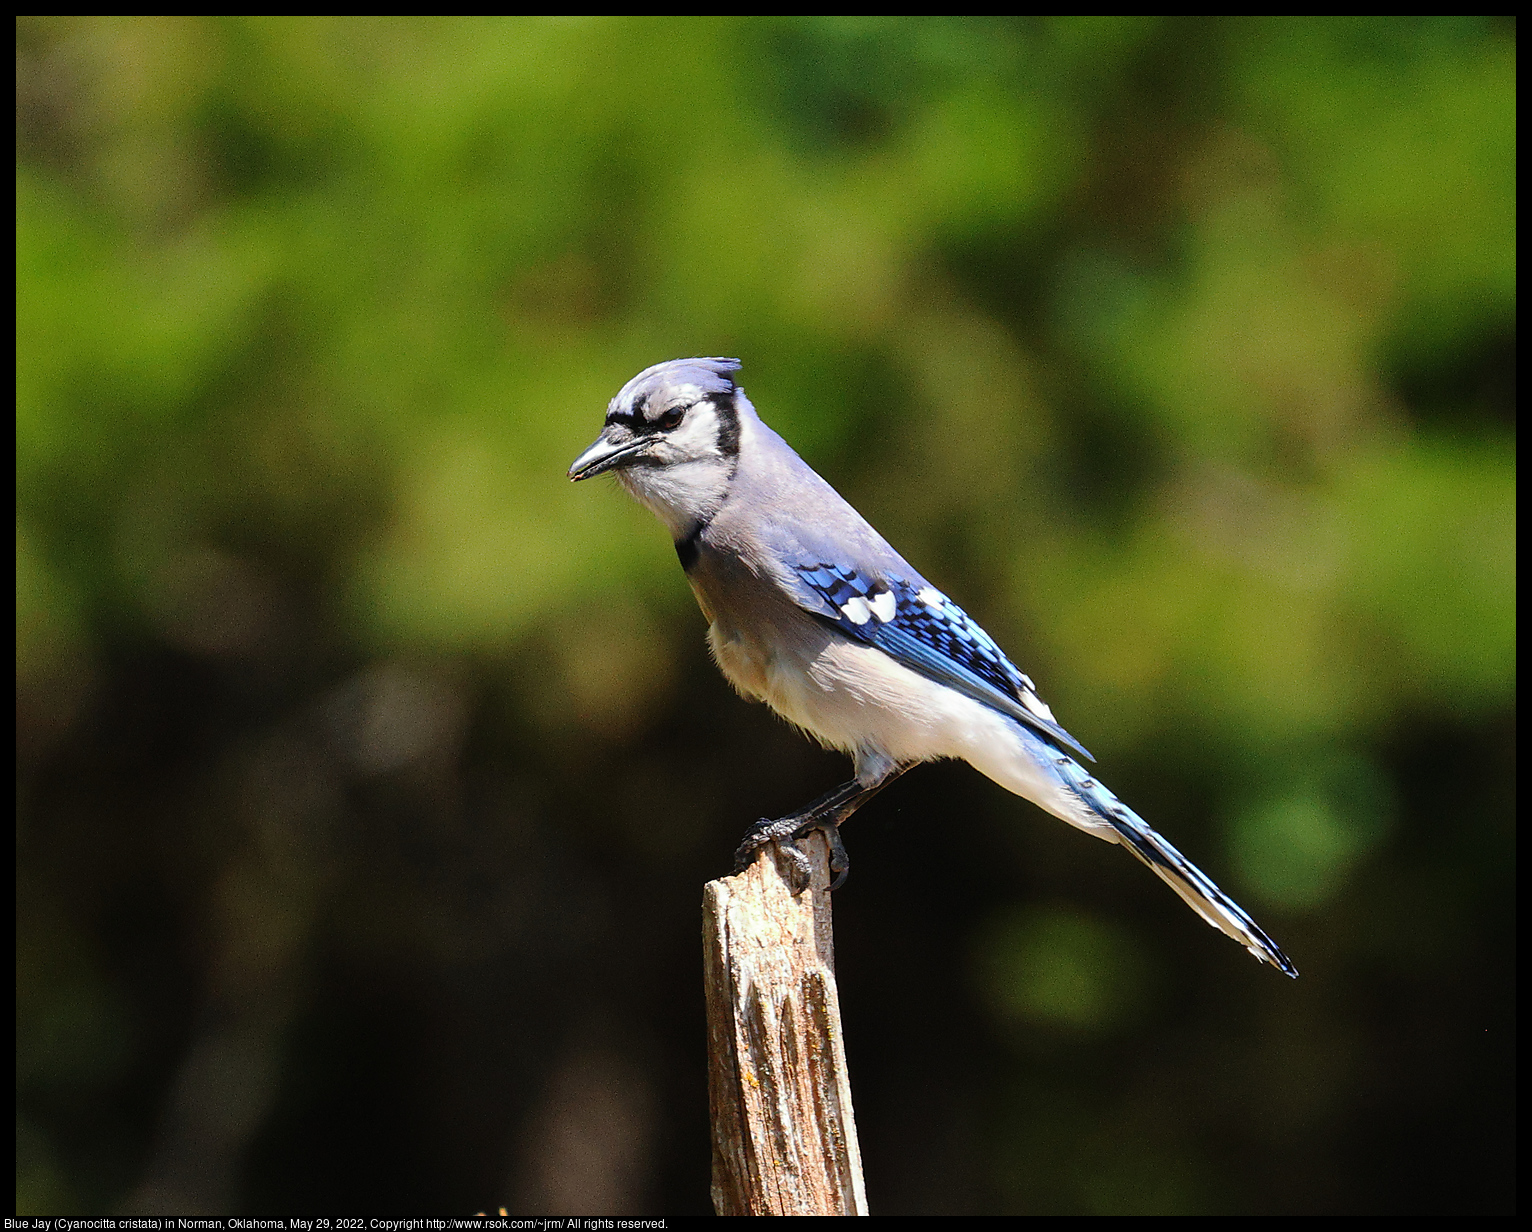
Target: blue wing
(915,624)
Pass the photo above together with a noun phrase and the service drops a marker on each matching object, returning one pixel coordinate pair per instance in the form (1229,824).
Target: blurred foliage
(368,771)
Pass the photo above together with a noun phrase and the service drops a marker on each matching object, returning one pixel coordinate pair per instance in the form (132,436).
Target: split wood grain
(784,1137)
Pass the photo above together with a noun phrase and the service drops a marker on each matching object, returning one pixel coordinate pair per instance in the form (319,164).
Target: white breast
(853,697)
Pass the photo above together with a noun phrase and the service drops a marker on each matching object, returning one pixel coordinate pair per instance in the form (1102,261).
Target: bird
(811,611)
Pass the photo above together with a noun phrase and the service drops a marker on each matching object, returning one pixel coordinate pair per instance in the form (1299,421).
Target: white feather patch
(1037,706)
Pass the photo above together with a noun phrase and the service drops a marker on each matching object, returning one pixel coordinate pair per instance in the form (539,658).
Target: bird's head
(672,439)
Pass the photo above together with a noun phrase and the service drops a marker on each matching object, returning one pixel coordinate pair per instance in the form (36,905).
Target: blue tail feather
(1184,877)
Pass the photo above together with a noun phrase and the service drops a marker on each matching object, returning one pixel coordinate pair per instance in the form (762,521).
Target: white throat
(688,477)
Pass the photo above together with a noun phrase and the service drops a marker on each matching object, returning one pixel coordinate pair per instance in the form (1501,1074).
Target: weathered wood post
(784,1139)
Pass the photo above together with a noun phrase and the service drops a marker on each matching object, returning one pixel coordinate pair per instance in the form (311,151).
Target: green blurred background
(369,772)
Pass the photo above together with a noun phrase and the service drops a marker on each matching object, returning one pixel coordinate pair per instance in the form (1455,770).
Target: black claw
(840,862)
(825,814)
(766,831)
(801,872)
(744,854)
(785,832)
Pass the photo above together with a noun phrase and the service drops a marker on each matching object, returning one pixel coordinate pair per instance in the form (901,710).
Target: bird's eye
(671,417)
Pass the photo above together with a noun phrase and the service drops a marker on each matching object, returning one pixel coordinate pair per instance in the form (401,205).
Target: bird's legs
(826,814)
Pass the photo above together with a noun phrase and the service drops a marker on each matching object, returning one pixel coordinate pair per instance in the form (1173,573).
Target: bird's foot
(785,832)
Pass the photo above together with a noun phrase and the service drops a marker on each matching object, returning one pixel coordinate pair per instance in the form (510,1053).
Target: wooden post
(784,1139)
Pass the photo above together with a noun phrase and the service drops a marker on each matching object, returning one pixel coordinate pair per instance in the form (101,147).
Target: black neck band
(687,545)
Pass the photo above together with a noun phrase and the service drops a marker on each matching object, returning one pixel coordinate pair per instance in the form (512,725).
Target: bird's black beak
(606,454)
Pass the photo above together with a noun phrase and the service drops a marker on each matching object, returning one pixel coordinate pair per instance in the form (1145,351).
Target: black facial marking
(687,546)
(728,424)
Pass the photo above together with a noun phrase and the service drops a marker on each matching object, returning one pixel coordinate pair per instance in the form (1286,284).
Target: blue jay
(812,612)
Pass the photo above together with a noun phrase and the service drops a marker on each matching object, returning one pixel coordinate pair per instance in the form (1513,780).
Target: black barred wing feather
(921,628)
